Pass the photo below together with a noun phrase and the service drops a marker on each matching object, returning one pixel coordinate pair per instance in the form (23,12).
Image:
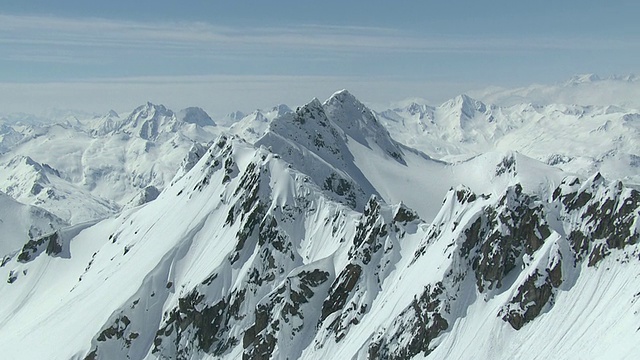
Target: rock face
(519,233)
(414,329)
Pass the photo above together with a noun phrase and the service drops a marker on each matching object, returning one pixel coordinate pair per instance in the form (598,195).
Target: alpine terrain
(468,230)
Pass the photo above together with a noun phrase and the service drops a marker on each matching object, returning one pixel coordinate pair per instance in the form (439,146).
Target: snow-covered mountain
(320,236)
(330,231)
(195,115)
(41,185)
(578,139)
(89,169)
(583,89)
(251,127)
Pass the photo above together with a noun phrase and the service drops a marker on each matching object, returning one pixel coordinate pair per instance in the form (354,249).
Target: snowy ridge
(320,236)
(9,138)
(359,123)
(253,126)
(260,263)
(311,142)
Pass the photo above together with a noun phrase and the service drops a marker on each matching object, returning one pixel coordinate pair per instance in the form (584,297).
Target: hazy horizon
(225,57)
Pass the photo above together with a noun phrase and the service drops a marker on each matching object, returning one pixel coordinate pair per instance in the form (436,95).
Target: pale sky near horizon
(225,56)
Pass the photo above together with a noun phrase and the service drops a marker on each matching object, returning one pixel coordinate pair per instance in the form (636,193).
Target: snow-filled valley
(472,229)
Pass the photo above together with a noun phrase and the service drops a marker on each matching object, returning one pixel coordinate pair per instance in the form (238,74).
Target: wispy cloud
(32,37)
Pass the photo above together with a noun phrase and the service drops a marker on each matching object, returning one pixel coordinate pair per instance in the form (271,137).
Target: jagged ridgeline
(281,250)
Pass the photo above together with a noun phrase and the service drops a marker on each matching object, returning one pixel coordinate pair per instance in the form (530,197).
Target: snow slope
(323,237)
(20,223)
(244,255)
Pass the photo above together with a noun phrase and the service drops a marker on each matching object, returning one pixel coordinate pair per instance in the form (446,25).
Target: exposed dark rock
(119,331)
(414,328)
(604,216)
(204,327)
(12,277)
(93,355)
(341,187)
(116,330)
(532,296)
(368,233)
(465,195)
(340,290)
(405,215)
(51,244)
(282,310)
(507,165)
(502,235)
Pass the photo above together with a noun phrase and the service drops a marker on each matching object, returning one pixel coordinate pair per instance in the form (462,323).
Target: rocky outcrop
(414,328)
(50,244)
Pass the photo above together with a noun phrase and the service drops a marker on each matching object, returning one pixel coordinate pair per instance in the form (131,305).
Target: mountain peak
(359,123)
(343,99)
(465,105)
(346,110)
(281,109)
(195,115)
(150,109)
(146,121)
(582,79)
(417,109)
(313,104)
(38,168)
(310,112)
(342,96)
(312,143)
(231,118)
(465,101)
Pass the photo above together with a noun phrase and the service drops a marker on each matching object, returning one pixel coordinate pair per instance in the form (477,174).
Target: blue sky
(222,55)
